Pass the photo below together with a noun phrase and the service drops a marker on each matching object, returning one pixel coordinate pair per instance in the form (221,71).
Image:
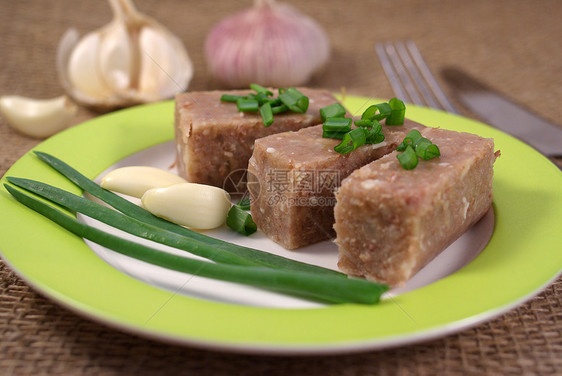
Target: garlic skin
(38,118)
(193,205)
(131,60)
(271,44)
(136,180)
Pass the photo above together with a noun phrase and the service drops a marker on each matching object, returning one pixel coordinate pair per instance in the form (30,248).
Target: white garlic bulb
(131,60)
(271,44)
(38,118)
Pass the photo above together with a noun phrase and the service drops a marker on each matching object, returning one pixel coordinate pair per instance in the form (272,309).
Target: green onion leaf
(279,109)
(408,159)
(374,134)
(231,97)
(377,112)
(260,89)
(335,135)
(266,114)
(334,110)
(135,211)
(398,112)
(131,225)
(411,138)
(244,202)
(351,141)
(337,125)
(247,105)
(426,150)
(328,288)
(295,100)
(240,221)
(367,123)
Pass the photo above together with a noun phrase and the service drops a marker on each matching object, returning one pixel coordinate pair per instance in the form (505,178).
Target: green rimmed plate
(522,257)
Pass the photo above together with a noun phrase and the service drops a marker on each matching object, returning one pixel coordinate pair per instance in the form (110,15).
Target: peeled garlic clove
(115,56)
(37,117)
(131,60)
(83,68)
(193,205)
(271,44)
(136,180)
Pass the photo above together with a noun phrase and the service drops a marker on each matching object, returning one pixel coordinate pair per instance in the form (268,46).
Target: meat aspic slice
(292,178)
(390,222)
(214,140)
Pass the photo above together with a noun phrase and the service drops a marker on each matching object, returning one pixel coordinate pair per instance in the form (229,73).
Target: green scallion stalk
(408,159)
(260,89)
(411,138)
(240,221)
(368,123)
(426,150)
(143,215)
(398,112)
(351,141)
(266,114)
(377,112)
(279,109)
(130,225)
(244,203)
(334,135)
(334,110)
(374,134)
(247,105)
(231,98)
(337,125)
(325,288)
(294,99)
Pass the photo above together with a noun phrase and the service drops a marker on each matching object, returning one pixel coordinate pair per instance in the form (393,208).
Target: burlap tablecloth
(511,45)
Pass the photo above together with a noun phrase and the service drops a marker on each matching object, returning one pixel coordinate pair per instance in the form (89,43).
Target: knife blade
(502,113)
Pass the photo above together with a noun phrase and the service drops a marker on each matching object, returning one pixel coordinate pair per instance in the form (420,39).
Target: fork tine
(414,73)
(400,68)
(390,73)
(430,79)
(405,67)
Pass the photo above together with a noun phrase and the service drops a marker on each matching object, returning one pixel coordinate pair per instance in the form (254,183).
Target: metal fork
(409,76)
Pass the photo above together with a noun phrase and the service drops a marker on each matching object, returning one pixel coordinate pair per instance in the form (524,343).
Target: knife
(502,113)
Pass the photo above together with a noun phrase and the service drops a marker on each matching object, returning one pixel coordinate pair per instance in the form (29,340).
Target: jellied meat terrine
(292,178)
(213,139)
(390,222)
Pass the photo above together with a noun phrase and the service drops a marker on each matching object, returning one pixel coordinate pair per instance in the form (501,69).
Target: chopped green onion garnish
(336,135)
(266,114)
(351,141)
(262,98)
(334,110)
(426,150)
(247,105)
(374,134)
(294,99)
(411,138)
(231,97)
(240,221)
(260,89)
(337,125)
(364,123)
(279,109)
(377,112)
(398,112)
(408,159)
(244,202)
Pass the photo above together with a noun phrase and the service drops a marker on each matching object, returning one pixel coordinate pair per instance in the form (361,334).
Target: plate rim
(146,113)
